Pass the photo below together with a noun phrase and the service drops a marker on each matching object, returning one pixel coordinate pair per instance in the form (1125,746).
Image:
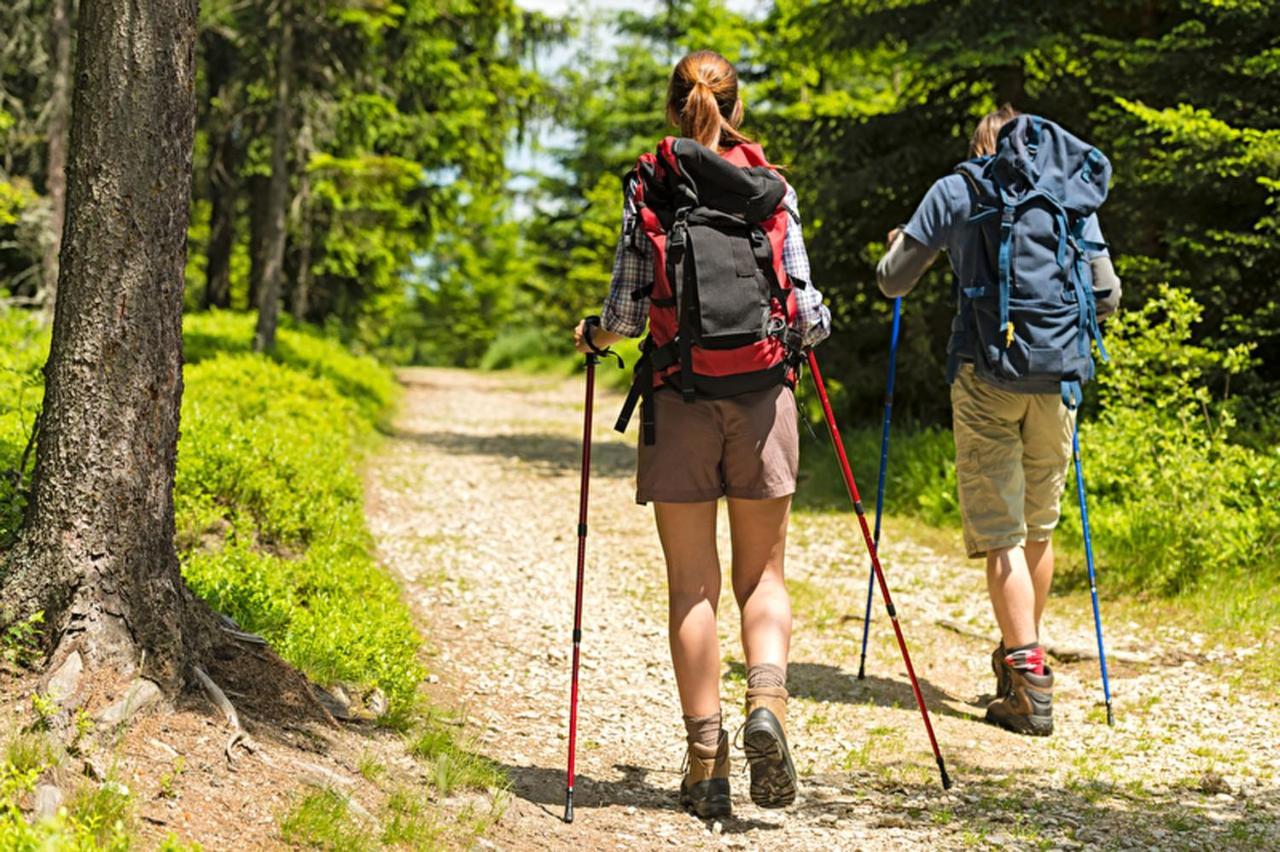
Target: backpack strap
(641,390)
(1072,395)
(677,248)
(1005,263)
(1088,303)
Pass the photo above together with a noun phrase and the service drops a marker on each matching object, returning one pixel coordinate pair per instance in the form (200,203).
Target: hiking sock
(1027,658)
(766,675)
(703,730)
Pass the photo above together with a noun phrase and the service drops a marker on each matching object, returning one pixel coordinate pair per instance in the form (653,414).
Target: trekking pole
(1093,580)
(591,322)
(875,561)
(884,468)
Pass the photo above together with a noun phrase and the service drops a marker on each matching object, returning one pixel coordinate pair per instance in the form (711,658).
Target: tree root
(239,736)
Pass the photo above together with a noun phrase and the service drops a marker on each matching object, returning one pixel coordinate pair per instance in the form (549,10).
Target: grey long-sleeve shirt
(908,259)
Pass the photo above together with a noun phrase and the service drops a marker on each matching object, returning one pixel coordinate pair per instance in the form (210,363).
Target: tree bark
(59,119)
(276,231)
(259,193)
(223,170)
(302,287)
(96,552)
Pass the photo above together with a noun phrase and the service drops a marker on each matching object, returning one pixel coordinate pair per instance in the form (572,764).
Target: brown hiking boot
(705,787)
(764,739)
(1000,670)
(1026,707)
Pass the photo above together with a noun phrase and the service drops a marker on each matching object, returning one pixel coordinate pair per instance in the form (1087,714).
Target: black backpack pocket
(730,304)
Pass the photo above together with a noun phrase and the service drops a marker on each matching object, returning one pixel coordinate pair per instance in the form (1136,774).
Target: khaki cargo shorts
(744,446)
(1012,453)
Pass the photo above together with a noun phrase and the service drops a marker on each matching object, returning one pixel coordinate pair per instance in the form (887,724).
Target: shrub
(268,498)
(271,519)
(358,378)
(23,347)
(1176,505)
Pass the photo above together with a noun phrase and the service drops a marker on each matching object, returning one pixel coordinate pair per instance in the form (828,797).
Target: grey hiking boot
(764,739)
(1026,707)
(704,790)
(999,669)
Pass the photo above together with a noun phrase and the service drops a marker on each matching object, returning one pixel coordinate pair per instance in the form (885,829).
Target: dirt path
(475,509)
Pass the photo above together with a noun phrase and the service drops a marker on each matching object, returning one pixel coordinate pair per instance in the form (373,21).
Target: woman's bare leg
(759,533)
(688,534)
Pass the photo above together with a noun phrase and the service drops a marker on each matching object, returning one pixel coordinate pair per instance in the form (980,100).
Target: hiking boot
(1000,670)
(705,787)
(1027,705)
(764,739)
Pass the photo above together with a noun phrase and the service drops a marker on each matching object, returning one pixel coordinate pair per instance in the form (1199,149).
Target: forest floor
(473,503)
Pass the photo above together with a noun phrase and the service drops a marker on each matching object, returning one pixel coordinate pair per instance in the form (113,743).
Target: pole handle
(596,352)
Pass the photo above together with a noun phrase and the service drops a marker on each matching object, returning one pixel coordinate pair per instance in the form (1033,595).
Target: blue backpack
(1027,319)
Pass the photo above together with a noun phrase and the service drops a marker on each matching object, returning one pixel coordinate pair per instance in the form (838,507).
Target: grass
(452,766)
(270,520)
(322,819)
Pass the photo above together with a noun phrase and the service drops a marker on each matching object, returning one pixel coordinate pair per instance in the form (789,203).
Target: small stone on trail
(716,827)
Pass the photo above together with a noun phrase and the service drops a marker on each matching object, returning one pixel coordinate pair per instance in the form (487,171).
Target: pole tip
(946,779)
(568,806)
(1111,716)
(862,671)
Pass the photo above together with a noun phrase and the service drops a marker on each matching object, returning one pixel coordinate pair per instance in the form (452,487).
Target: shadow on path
(822,682)
(544,786)
(546,454)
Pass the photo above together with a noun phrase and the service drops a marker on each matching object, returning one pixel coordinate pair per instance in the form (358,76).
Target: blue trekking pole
(1088,557)
(884,467)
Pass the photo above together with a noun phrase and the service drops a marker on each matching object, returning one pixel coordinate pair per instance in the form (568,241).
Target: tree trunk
(59,119)
(1010,85)
(259,193)
(302,288)
(224,183)
(223,190)
(276,231)
(96,552)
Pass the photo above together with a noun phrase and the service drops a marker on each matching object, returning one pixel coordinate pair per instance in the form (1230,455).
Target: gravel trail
(473,503)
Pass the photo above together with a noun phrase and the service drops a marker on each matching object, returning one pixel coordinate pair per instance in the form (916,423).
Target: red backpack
(722,315)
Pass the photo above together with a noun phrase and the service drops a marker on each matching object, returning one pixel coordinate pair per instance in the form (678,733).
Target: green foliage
(23,345)
(268,497)
(96,817)
(360,380)
(452,765)
(1178,506)
(323,820)
(270,504)
(20,644)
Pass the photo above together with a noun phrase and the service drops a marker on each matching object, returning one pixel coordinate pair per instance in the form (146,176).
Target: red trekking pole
(591,322)
(875,561)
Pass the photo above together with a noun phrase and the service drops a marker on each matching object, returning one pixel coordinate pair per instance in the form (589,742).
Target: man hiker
(1032,277)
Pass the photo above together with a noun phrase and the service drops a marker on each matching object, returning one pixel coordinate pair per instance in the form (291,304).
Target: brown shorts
(745,446)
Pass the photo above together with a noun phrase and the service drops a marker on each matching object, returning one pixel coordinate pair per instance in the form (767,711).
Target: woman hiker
(711,256)
(1013,433)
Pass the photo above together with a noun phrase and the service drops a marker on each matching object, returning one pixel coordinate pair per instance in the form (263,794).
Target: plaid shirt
(633,269)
